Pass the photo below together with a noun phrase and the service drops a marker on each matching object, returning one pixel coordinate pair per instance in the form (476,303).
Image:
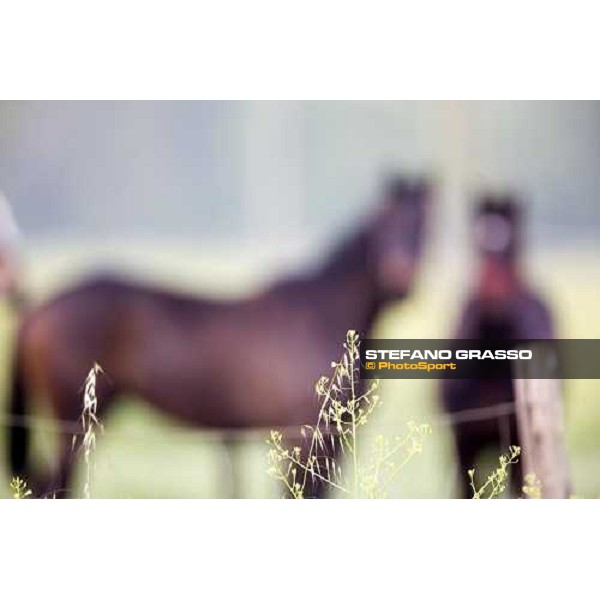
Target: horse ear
(502,204)
(498,224)
(395,188)
(398,188)
(422,187)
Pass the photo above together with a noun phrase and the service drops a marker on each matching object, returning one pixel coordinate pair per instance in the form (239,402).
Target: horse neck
(344,290)
(499,279)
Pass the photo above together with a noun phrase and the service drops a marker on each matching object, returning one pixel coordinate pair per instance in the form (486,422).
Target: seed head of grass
(90,425)
(19,488)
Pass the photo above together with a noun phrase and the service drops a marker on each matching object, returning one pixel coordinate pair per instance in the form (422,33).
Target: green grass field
(145,455)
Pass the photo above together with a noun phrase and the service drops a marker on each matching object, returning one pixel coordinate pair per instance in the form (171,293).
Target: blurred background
(220,198)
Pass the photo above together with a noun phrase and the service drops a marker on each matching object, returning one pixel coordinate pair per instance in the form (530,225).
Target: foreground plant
(19,488)
(532,487)
(495,483)
(90,424)
(346,405)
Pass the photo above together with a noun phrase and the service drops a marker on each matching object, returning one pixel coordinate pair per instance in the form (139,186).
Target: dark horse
(501,307)
(223,365)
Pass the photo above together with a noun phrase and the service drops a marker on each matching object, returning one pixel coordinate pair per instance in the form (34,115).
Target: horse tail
(18,432)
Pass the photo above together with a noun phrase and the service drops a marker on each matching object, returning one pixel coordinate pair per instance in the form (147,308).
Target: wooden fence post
(540,419)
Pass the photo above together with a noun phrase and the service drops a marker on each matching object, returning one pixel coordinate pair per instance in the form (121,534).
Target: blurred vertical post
(453,137)
(540,419)
(9,254)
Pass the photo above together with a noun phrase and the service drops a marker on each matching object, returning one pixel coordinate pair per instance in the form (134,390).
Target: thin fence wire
(218,435)
(499,411)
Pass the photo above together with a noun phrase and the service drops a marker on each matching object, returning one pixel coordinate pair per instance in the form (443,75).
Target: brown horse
(223,365)
(501,307)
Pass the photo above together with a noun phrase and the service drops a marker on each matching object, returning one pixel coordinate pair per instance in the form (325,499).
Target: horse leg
(232,474)
(467,449)
(516,472)
(318,489)
(57,485)
(316,486)
(508,436)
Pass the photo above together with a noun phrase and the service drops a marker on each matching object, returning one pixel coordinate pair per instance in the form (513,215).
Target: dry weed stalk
(495,483)
(532,486)
(345,407)
(90,424)
(19,488)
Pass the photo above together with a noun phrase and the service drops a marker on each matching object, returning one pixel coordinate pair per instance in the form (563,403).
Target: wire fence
(229,473)
(51,425)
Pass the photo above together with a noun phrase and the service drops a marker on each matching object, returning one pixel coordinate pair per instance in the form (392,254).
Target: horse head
(497,233)
(395,238)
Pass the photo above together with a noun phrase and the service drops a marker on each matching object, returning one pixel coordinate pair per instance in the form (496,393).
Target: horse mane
(346,258)
(349,256)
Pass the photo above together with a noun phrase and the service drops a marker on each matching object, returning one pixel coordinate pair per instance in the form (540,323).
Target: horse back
(97,321)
